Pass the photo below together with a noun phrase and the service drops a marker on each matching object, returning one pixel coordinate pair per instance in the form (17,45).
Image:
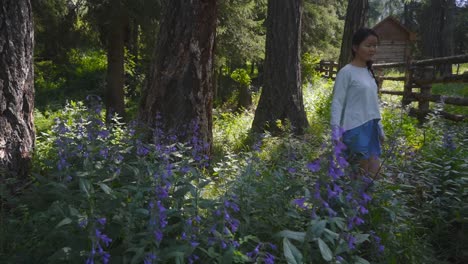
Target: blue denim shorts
(363,142)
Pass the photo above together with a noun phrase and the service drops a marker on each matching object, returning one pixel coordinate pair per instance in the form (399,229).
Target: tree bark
(356,17)
(245,98)
(438,35)
(115,61)
(281,97)
(17,135)
(180,85)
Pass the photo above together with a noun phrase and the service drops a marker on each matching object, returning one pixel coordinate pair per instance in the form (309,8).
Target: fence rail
(418,74)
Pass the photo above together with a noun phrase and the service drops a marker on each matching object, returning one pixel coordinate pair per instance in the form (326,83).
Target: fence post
(321,68)
(378,74)
(408,88)
(426,74)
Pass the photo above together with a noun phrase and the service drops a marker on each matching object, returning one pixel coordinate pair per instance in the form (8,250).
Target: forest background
(100,188)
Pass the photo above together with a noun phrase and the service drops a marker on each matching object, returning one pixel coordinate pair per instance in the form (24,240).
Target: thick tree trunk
(17,133)
(245,97)
(132,40)
(438,35)
(115,61)
(356,17)
(180,85)
(281,97)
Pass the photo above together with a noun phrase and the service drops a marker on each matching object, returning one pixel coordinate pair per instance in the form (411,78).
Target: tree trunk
(180,85)
(438,35)
(115,61)
(356,17)
(281,97)
(16,88)
(132,41)
(245,98)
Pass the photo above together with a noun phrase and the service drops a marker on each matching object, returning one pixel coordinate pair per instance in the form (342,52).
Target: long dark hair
(359,36)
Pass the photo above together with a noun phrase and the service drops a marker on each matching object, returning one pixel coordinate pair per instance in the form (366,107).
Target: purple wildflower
(300,203)
(331,193)
(83,223)
(194,243)
(193,258)
(102,221)
(142,150)
(104,134)
(103,237)
(342,161)
(366,198)
(314,166)
(351,241)
(269,258)
(104,152)
(381,248)
(158,235)
(337,133)
(337,188)
(448,142)
(149,259)
(363,210)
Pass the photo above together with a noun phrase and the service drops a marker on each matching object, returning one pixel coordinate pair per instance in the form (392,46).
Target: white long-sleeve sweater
(362,102)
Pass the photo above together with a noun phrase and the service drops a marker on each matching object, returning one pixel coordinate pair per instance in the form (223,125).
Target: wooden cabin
(395,41)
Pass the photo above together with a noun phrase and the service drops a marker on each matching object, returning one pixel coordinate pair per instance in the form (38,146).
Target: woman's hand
(382,139)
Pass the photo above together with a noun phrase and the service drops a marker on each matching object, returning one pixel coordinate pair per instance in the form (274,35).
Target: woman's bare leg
(374,167)
(370,167)
(364,167)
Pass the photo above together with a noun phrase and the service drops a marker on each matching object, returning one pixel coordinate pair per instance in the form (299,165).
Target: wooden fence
(328,69)
(418,74)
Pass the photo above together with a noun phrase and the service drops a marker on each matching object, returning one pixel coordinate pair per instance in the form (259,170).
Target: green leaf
(65,221)
(73,211)
(85,186)
(181,191)
(291,253)
(142,211)
(360,238)
(299,236)
(325,250)
(339,222)
(82,173)
(318,228)
(139,253)
(178,256)
(227,257)
(105,188)
(331,235)
(359,260)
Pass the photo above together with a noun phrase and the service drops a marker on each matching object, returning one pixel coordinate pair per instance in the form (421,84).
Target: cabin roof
(391,29)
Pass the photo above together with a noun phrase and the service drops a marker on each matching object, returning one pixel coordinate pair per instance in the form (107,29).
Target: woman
(355,105)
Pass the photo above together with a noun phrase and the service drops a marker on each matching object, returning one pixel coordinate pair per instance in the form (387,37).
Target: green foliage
(56,20)
(231,131)
(241,76)
(403,128)
(317,102)
(455,90)
(430,188)
(83,74)
(309,64)
(94,179)
(107,171)
(240,32)
(322,28)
